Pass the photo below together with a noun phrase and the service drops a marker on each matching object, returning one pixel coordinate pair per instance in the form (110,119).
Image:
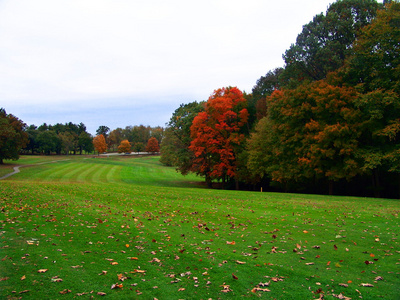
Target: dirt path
(17,169)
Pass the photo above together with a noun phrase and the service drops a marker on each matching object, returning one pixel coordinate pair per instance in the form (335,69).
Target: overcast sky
(131,62)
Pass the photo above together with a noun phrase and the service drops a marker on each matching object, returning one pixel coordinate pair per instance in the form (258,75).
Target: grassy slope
(173,239)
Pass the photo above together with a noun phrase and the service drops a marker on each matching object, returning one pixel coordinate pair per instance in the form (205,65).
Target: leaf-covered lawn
(134,235)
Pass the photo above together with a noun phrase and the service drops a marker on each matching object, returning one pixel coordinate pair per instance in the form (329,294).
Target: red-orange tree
(217,134)
(124,147)
(99,143)
(152,145)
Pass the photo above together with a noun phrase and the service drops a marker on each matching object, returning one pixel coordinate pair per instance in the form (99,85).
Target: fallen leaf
(103,273)
(305,231)
(367,285)
(24,291)
(257,289)
(378,278)
(234,276)
(335,247)
(101,293)
(66,291)
(309,264)
(24,277)
(181,289)
(230,243)
(344,285)
(116,286)
(341,296)
(43,270)
(240,262)
(114,263)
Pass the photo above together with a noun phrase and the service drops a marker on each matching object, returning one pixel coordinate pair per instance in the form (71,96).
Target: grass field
(130,228)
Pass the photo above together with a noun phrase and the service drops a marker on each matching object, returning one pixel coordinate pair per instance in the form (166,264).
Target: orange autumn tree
(152,145)
(99,143)
(124,147)
(217,134)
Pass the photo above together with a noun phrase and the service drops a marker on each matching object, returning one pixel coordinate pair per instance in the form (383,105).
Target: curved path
(17,169)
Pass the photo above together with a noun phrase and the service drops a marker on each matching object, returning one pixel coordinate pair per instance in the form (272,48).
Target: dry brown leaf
(24,277)
(66,291)
(117,286)
(230,243)
(309,264)
(344,285)
(240,262)
(234,276)
(341,296)
(378,278)
(43,270)
(367,285)
(257,289)
(101,293)
(103,273)
(181,289)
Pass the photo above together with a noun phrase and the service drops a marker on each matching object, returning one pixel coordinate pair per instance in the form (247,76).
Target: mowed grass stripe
(73,173)
(112,175)
(90,169)
(101,174)
(51,172)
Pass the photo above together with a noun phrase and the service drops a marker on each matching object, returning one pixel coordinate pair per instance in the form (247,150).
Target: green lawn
(131,228)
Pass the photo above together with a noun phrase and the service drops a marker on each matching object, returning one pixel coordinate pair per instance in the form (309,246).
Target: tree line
(327,122)
(69,138)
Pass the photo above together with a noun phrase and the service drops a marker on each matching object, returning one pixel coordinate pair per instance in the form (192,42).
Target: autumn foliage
(99,143)
(152,145)
(124,147)
(217,134)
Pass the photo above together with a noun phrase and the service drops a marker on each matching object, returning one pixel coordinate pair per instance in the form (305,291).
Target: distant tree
(217,134)
(48,142)
(152,145)
(85,142)
(12,136)
(124,147)
(99,143)
(139,147)
(32,145)
(68,140)
(115,138)
(103,130)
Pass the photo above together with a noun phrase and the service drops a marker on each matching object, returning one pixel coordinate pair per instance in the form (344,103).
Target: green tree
(327,40)
(374,69)
(48,142)
(103,130)
(175,144)
(139,147)
(12,136)
(311,132)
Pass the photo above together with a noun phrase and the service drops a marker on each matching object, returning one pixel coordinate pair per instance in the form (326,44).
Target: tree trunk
(1,161)
(208,181)
(330,187)
(376,183)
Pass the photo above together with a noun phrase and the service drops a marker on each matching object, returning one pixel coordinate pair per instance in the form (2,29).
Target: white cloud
(80,51)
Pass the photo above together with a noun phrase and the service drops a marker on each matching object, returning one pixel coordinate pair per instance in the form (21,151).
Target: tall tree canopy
(217,134)
(12,136)
(326,41)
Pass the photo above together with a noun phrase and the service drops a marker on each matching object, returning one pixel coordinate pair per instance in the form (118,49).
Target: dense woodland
(327,122)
